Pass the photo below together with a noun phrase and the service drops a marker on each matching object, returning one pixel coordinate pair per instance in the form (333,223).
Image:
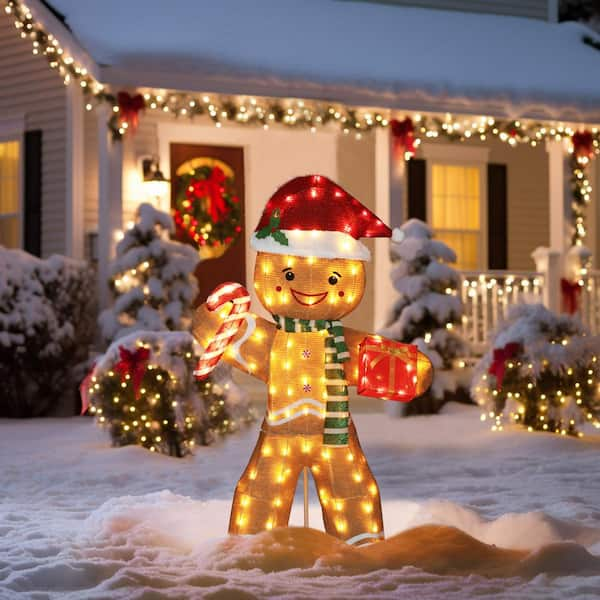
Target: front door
(212,222)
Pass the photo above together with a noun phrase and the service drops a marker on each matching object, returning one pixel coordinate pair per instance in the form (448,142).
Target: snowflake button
(306,353)
(307,387)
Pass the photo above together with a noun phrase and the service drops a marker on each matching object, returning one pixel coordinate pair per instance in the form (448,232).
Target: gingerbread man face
(308,287)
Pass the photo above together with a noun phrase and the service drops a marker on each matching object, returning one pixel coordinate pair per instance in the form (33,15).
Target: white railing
(487,296)
(589,301)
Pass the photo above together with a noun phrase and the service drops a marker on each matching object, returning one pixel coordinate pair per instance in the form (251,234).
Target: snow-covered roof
(369,54)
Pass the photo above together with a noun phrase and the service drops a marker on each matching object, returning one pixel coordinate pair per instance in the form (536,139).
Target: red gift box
(387,369)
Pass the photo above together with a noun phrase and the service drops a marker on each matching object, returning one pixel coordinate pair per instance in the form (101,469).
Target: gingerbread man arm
(353,340)
(249,349)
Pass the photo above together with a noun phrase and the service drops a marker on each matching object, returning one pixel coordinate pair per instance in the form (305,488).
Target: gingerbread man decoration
(309,274)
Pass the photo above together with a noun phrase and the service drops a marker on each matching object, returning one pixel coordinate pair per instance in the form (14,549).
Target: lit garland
(311,115)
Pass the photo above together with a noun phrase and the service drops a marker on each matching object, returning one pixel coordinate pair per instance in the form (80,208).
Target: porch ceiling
(364,54)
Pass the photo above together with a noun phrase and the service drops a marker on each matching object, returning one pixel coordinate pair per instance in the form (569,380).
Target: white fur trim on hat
(320,244)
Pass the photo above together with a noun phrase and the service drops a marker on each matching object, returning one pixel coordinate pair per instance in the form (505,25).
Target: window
(10,194)
(456,211)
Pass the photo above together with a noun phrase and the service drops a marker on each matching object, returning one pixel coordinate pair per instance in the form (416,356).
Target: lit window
(10,213)
(455,211)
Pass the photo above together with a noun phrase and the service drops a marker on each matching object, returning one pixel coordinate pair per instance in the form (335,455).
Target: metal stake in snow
(240,298)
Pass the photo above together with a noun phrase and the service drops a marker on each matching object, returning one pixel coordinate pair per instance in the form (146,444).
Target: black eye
(333,280)
(289,276)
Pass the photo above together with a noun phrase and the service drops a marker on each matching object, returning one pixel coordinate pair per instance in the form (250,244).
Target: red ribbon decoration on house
(570,291)
(134,365)
(403,136)
(501,355)
(129,108)
(583,144)
(212,188)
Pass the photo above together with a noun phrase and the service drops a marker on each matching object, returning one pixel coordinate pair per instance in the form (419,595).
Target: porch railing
(487,296)
(589,302)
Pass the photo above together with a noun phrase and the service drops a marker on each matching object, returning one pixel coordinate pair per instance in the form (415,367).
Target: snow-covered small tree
(151,279)
(428,311)
(541,371)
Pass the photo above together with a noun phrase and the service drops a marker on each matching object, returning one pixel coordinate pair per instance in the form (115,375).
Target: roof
(359,53)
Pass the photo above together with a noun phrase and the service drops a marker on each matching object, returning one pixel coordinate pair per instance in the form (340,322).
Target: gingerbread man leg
(348,493)
(265,492)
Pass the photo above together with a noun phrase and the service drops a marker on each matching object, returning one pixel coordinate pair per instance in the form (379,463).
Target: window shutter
(497,217)
(417,182)
(32,187)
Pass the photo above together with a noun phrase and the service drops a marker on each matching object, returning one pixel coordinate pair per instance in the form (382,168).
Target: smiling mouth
(308,299)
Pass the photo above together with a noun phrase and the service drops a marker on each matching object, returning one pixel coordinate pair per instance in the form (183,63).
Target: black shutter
(497,217)
(417,182)
(32,187)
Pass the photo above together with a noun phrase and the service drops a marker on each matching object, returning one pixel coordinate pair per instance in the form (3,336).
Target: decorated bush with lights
(541,372)
(427,312)
(144,392)
(151,279)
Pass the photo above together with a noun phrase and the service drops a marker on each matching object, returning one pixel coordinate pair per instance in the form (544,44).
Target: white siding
(28,86)
(535,9)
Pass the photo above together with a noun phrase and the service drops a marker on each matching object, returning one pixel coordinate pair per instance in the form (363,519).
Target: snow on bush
(151,279)
(167,410)
(46,324)
(427,310)
(542,372)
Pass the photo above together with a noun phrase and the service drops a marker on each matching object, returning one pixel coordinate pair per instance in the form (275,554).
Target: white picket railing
(589,301)
(487,295)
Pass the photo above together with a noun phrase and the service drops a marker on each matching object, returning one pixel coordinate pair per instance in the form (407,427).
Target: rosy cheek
(278,288)
(341,294)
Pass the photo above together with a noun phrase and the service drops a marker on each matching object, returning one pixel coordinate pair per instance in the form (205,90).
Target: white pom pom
(398,235)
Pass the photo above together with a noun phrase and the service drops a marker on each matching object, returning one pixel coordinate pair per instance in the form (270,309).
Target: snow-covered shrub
(144,392)
(151,279)
(541,372)
(47,322)
(427,311)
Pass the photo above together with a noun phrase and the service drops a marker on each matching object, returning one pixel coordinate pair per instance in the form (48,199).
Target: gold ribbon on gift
(402,353)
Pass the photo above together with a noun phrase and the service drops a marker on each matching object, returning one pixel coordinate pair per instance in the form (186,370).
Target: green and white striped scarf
(335,432)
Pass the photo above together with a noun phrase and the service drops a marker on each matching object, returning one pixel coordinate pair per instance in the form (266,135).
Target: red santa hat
(313,216)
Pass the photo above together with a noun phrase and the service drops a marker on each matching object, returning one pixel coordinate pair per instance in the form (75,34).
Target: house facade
(480,98)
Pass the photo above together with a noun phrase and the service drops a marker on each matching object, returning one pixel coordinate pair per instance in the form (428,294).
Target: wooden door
(231,266)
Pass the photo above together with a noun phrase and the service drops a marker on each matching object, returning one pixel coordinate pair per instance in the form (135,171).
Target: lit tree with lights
(541,372)
(143,389)
(427,311)
(151,279)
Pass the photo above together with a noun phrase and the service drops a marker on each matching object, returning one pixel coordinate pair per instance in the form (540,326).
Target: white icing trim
(300,402)
(296,415)
(320,244)
(364,536)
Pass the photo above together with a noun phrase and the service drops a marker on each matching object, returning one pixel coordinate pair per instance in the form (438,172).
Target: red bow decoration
(501,355)
(583,144)
(134,365)
(129,108)
(403,135)
(570,295)
(212,189)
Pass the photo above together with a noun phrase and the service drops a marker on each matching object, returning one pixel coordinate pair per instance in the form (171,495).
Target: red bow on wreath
(583,144)
(134,365)
(570,291)
(212,189)
(501,355)
(129,108)
(403,135)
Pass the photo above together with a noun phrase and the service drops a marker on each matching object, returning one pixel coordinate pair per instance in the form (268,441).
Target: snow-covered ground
(79,519)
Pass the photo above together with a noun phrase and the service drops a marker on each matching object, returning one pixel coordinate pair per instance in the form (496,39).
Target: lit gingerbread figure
(309,274)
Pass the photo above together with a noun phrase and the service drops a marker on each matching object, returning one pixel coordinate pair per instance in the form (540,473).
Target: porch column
(74,220)
(384,290)
(558,193)
(110,200)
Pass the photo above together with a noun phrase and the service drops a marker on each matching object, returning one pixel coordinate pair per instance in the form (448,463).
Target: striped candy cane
(240,298)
